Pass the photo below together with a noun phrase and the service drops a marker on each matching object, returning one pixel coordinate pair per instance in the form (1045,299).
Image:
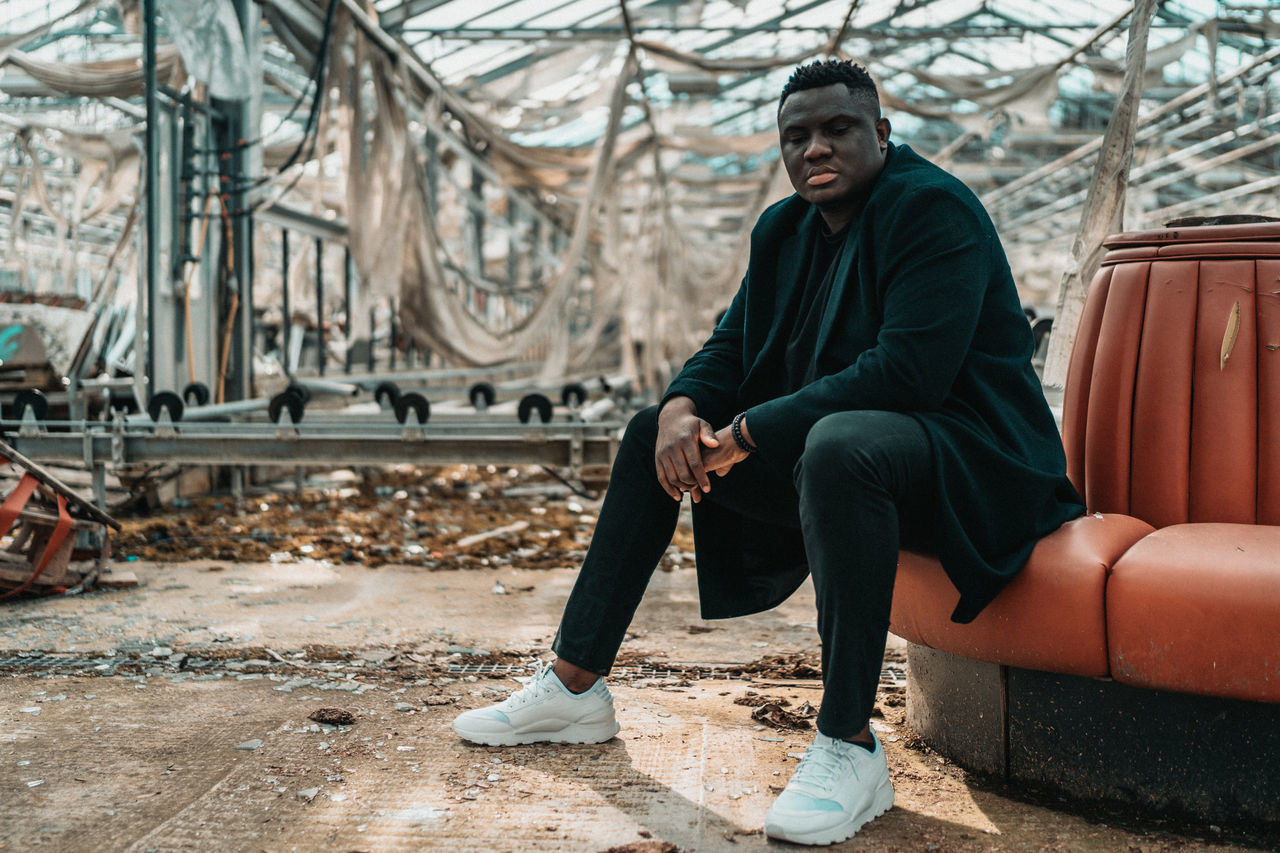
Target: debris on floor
(303,700)
(438,518)
(794,665)
(332,716)
(774,715)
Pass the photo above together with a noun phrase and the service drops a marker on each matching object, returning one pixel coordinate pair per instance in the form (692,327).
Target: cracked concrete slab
(160,751)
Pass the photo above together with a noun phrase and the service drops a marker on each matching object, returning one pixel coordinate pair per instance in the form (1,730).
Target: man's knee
(838,438)
(857,445)
(642,429)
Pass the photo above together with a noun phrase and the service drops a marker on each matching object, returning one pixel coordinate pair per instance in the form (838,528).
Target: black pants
(862,488)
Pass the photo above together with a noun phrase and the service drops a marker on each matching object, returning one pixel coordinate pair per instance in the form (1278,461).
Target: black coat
(923,318)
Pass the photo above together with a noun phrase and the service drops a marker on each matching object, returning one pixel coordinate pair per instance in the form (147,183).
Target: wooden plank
(117,579)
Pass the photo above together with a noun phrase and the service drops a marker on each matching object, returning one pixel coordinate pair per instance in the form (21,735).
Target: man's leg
(635,527)
(862,478)
(863,475)
(569,703)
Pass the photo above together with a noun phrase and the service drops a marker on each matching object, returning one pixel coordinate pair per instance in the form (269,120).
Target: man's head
(818,74)
(832,137)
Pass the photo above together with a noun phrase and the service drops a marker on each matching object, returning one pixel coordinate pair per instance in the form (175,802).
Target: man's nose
(818,147)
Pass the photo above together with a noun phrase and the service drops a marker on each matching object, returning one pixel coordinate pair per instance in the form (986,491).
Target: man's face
(833,146)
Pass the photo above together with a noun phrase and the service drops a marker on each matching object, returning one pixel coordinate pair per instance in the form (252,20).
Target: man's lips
(819,178)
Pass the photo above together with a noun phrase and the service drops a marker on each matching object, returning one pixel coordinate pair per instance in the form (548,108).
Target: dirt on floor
(284,677)
(452,518)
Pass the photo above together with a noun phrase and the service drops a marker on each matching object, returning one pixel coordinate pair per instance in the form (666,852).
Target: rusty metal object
(60,542)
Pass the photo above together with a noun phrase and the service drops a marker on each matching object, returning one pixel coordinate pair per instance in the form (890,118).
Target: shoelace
(821,764)
(532,689)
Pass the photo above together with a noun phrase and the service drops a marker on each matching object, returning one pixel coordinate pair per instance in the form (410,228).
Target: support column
(151,267)
(320,343)
(349,298)
(243,161)
(173,378)
(286,324)
(474,247)
(395,335)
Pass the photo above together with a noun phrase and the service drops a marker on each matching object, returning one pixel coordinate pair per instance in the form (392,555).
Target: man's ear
(883,128)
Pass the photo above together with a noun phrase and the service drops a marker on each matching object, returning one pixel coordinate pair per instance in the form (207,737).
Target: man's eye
(839,130)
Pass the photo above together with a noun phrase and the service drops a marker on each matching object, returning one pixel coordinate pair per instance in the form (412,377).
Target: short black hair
(821,73)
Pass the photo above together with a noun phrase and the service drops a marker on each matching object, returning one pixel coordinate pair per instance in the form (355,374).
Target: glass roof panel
(580,12)
(541,70)
(452,15)
(19,15)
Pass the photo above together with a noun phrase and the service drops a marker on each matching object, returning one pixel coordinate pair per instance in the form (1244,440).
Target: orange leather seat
(1196,608)
(1171,415)
(1171,411)
(1051,616)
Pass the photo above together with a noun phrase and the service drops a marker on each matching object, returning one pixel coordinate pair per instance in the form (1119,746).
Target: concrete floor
(215,751)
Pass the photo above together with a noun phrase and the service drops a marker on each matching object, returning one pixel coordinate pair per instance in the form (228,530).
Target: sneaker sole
(843,832)
(596,733)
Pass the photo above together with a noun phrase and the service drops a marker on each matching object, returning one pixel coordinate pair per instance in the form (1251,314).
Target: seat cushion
(1050,617)
(1196,608)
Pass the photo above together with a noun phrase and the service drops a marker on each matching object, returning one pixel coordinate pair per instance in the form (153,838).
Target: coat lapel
(790,258)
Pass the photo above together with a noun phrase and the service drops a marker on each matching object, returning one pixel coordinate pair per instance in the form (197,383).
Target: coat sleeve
(712,375)
(933,258)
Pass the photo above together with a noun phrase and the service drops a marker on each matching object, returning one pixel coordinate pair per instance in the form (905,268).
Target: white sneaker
(543,711)
(838,787)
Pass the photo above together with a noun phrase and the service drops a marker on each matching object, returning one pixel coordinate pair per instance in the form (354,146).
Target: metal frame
(582,449)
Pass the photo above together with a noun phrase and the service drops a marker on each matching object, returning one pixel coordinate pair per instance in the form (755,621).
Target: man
(870,387)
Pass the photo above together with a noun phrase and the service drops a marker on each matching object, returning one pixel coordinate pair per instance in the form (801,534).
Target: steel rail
(568,445)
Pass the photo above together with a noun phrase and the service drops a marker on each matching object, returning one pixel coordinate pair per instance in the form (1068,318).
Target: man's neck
(838,219)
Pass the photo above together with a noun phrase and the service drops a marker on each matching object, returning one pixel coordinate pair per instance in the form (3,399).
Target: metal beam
(283,216)
(562,445)
(393,19)
(542,35)
(516,64)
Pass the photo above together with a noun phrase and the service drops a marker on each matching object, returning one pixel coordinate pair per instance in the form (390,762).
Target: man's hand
(723,456)
(679,455)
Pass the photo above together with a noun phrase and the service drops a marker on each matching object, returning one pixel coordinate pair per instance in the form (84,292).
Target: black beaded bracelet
(737,434)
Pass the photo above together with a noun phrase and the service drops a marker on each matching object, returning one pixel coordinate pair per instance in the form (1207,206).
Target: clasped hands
(689,450)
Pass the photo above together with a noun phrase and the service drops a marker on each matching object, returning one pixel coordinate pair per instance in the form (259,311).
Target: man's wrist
(740,434)
(679,404)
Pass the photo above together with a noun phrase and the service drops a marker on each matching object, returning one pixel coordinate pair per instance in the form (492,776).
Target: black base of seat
(1211,759)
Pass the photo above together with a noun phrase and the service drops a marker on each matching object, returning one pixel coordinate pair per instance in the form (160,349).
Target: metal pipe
(178,250)
(597,410)
(209,412)
(262,444)
(152,149)
(394,342)
(114,383)
(342,389)
(348,297)
(428,375)
(286,324)
(320,345)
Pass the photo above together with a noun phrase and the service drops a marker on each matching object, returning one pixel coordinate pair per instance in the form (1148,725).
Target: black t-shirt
(802,347)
